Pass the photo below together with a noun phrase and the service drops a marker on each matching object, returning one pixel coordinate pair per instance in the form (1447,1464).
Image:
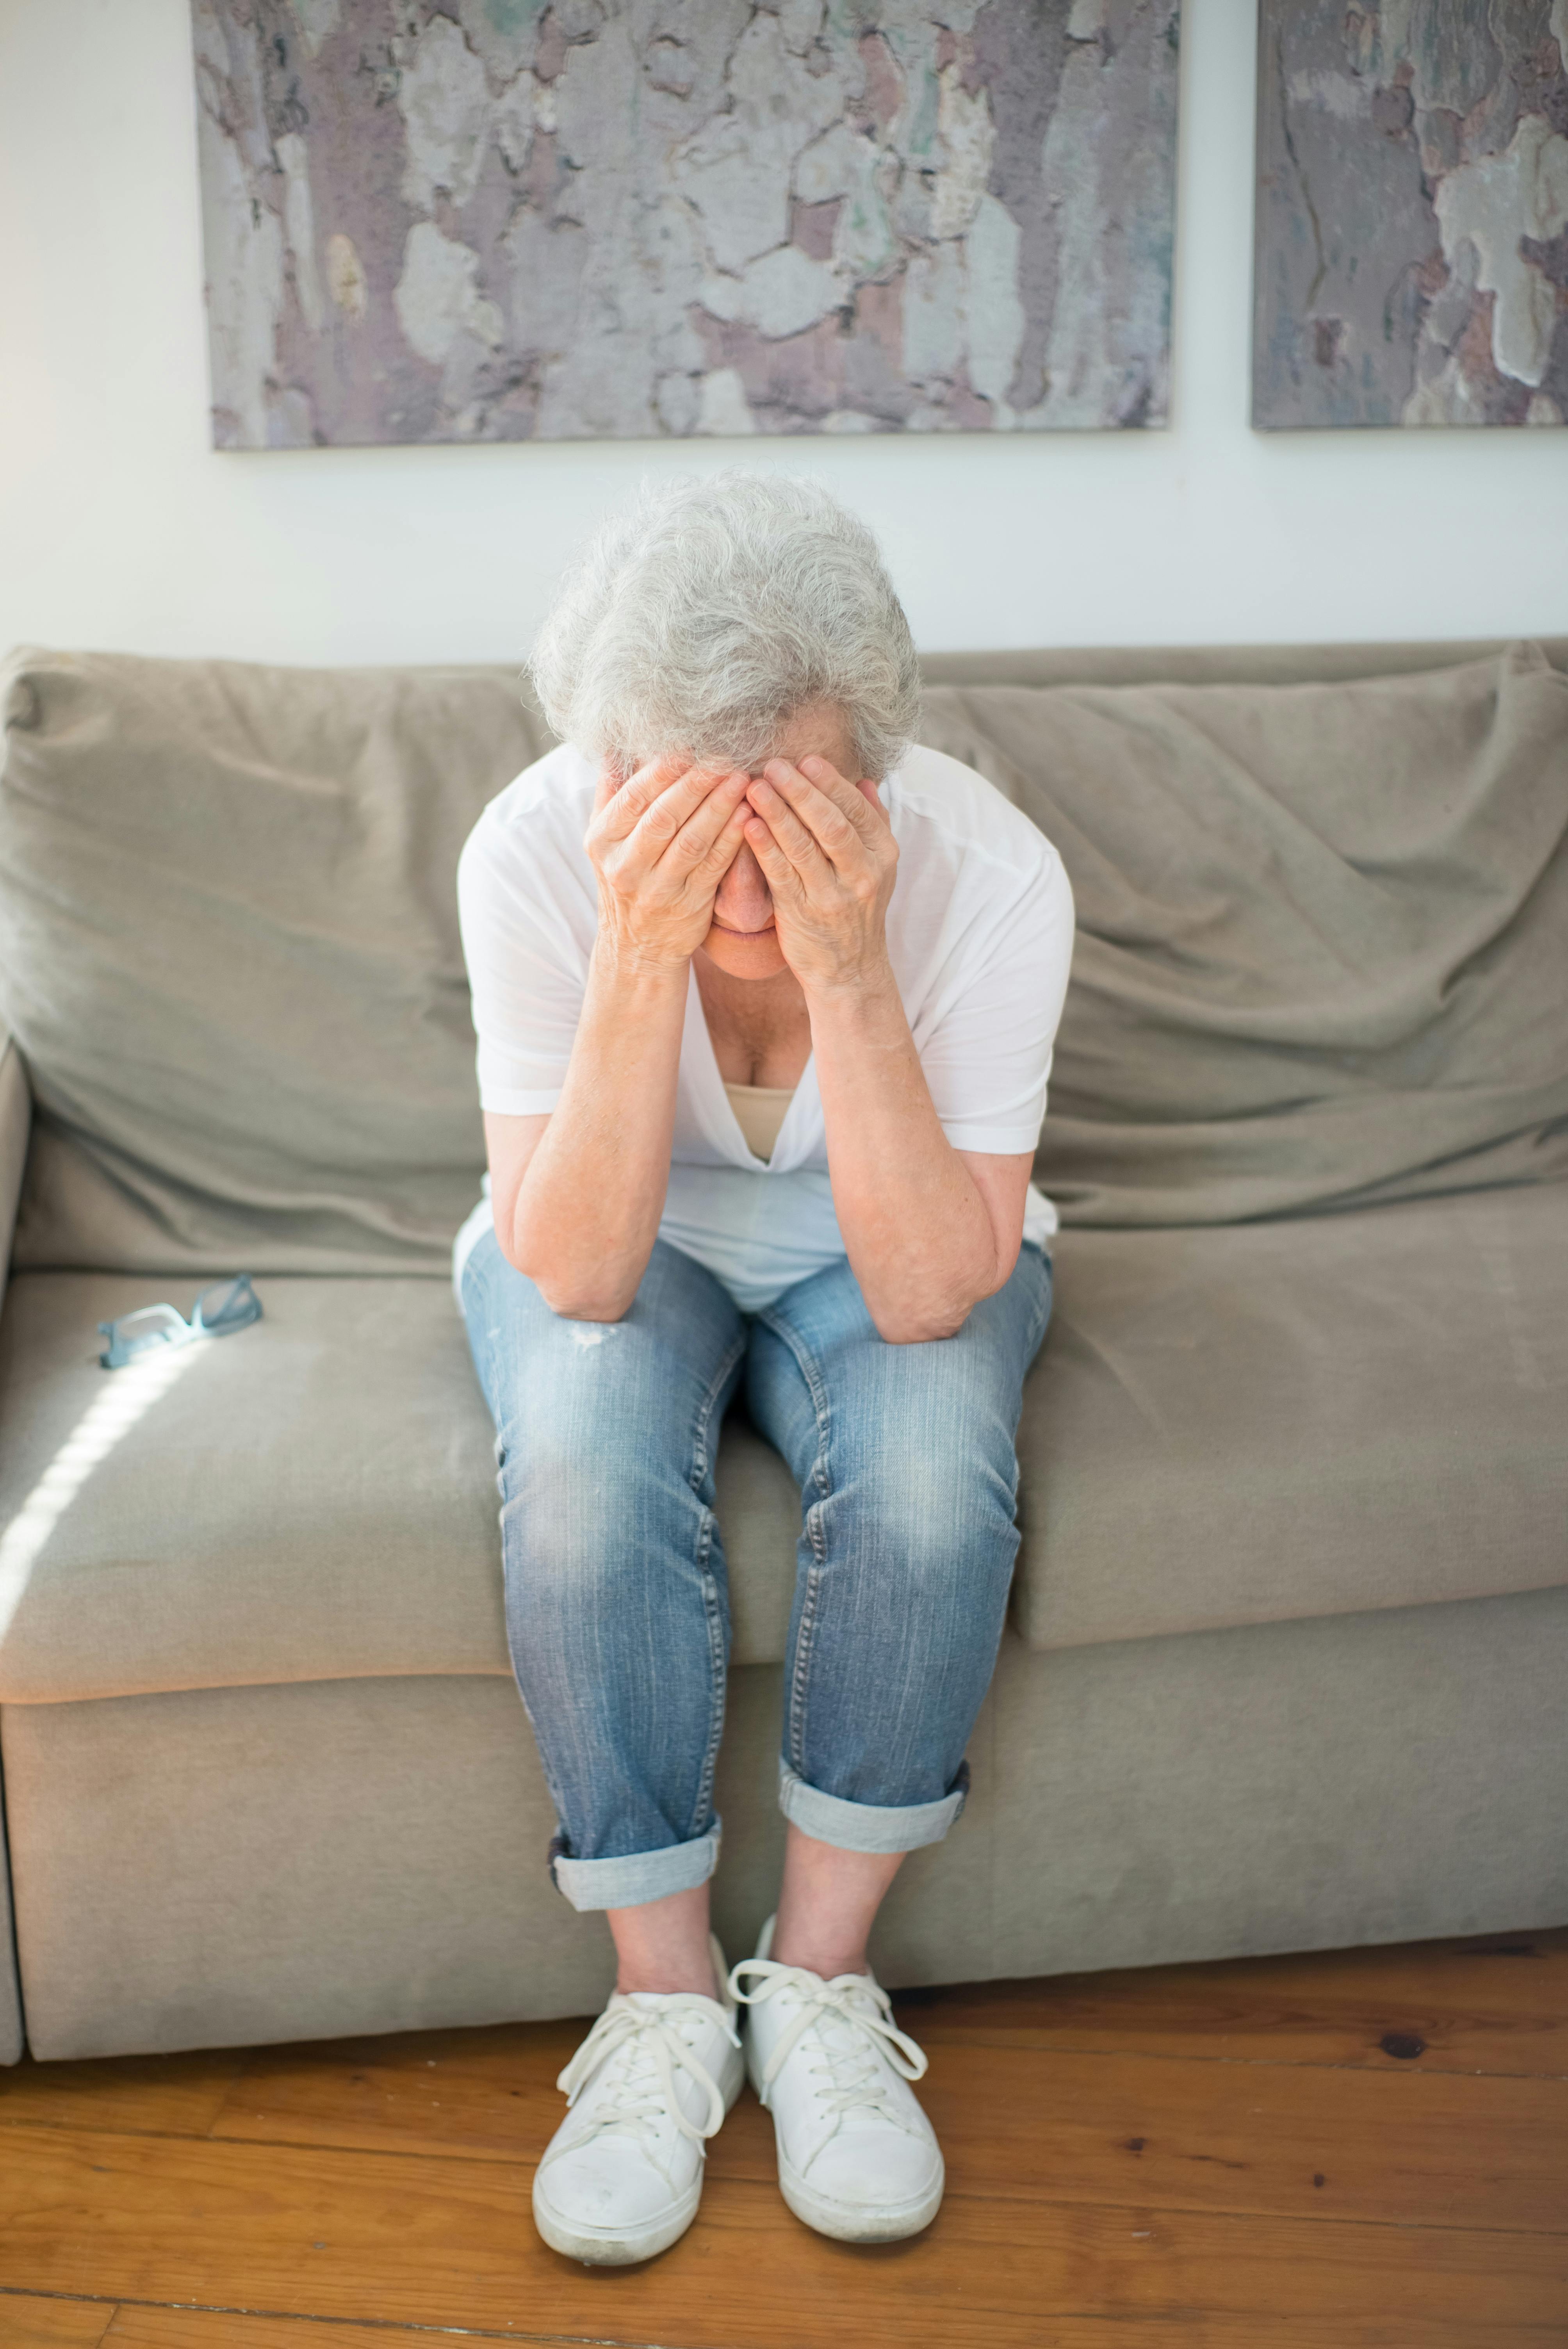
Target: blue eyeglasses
(218,1312)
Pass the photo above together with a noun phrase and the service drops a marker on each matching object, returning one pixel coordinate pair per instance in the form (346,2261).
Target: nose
(743,900)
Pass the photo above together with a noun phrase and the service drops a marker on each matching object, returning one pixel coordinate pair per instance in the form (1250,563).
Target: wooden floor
(1329,2153)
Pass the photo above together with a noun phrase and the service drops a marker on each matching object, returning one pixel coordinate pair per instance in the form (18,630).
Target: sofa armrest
(15,1123)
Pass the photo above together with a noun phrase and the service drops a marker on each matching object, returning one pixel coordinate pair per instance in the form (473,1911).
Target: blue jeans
(617,1607)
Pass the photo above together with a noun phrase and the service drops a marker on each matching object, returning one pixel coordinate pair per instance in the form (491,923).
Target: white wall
(120,528)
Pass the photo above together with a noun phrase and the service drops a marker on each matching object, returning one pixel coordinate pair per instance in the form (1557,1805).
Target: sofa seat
(312,1498)
(1238,1426)
(1313,1416)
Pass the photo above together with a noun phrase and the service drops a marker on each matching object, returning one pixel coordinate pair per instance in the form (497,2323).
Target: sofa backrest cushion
(229,951)
(1322,953)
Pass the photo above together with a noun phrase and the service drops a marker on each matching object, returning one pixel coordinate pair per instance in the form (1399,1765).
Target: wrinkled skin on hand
(825,849)
(787,870)
(661,842)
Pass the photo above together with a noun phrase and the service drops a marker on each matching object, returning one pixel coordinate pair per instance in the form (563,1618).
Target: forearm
(918,1233)
(587,1212)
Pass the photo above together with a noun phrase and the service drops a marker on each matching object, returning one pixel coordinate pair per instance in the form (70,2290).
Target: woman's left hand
(829,856)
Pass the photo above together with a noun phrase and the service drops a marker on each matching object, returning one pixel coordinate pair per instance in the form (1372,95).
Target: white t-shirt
(979,932)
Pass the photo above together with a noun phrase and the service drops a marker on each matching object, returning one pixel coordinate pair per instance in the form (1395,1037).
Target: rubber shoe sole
(852,2222)
(617,2247)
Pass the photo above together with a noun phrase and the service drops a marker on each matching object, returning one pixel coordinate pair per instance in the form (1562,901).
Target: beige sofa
(1291,1631)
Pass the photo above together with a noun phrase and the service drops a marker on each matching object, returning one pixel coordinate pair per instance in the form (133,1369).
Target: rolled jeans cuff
(640,1876)
(868,1826)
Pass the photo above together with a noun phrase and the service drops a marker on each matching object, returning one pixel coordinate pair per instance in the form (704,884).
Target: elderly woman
(765,1002)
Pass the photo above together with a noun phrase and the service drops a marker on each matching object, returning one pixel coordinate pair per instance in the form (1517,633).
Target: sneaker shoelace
(856,2067)
(648,2050)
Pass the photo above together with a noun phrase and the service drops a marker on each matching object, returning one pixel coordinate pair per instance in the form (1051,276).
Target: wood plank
(1499,2003)
(994,2271)
(217,2328)
(179,2094)
(1286,2140)
(399,2240)
(1037,2124)
(490,2091)
(26,2323)
(175,2328)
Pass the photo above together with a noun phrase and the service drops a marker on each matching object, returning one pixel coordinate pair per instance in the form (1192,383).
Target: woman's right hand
(661,842)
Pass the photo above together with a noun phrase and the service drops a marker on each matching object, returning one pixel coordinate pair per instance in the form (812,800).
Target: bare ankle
(662,1980)
(663,1946)
(819,1954)
(828,1903)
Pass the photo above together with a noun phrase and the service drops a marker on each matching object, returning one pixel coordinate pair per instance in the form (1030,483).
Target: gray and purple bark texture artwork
(1412,213)
(498,219)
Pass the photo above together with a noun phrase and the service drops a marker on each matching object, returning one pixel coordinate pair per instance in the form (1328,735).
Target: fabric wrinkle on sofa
(229,949)
(1319,958)
(1323,1439)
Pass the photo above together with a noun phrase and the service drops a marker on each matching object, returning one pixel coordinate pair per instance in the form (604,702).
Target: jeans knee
(561,1515)
(941,1523)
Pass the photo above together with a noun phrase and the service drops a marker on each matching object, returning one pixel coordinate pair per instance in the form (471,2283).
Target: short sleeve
(521,911)
(988,1054)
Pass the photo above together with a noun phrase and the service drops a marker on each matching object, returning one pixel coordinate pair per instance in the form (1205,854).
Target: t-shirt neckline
(803,1125)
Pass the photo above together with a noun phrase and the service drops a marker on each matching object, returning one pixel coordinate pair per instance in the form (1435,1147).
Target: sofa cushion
(1322,953)
(1320,958)
(229,951)
(312,1498)
(1310,1417)
(1307,1417)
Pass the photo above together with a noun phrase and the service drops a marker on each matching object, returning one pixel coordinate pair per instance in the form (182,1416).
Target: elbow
(572,1304)
(918,1328)
(587,1309)
(567,1300)
(924,1321)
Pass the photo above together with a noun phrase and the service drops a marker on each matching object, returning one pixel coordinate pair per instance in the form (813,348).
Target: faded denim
(617,1604)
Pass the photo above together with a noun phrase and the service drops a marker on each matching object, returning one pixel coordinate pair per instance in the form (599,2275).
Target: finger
(724,847)
(798,843)
(669,811)
(611,779)
(778,871)
(696,835)
(856,802)
(626,807)
(828,827)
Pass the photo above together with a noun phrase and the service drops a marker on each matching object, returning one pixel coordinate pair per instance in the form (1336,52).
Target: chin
(755,954)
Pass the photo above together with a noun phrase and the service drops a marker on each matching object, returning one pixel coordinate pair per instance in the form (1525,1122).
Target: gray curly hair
(709,611)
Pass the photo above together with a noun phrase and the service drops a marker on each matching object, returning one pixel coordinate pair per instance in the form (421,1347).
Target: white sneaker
(857,2156)
(621,2177)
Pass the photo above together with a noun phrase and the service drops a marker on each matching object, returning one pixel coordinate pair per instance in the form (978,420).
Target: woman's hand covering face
(661,842)
(829,855)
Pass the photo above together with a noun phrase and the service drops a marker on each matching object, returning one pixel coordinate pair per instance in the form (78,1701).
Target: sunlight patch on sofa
(127,1394)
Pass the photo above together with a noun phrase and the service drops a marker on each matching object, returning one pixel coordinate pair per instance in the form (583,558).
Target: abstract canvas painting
(502,220)
(1412,213)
